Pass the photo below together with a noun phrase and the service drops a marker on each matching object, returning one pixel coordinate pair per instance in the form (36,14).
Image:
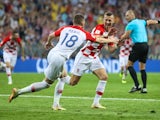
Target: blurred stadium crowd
(35,19)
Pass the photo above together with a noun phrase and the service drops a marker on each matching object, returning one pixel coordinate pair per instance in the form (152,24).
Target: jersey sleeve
(97,31)
(58,32)
(90,37)
(19,41)
(129,27)
(4,41)
(144,22)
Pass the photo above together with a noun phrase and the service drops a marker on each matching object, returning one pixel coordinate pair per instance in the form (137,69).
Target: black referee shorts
(139,52)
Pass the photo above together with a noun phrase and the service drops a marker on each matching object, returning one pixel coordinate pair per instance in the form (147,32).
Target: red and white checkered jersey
(70,39)
(10,46)
(126,48)
(92,49)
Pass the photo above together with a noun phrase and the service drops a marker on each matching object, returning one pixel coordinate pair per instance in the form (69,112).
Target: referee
(136,30)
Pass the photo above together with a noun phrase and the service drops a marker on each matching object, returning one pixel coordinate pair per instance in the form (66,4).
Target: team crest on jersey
(105,34)
(97,32)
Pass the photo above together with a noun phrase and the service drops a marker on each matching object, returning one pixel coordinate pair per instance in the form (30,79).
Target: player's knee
(74,80)
(73,83)
(7,66)
(103,77)
(64,74)
(49,82)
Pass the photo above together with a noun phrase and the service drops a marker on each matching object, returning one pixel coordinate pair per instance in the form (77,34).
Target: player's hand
(120,43)
(48,45)
(112,31)
(114,40)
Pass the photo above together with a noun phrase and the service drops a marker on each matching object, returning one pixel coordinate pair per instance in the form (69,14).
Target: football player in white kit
(70,39)
(88,58)
(124,52)
(10,52)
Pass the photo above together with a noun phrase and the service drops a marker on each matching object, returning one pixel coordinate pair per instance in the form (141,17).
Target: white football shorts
(9,57)
(55,65)
(83,63)
(123,60)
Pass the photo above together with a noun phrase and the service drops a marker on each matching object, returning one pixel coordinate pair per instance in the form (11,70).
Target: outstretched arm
(107,40)
(3,41)
(125,35)
(22,50)
(109,37)
(151,22)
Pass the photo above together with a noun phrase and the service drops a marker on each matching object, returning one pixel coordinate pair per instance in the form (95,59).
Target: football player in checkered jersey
(10,51)
(88,59)
(124,52)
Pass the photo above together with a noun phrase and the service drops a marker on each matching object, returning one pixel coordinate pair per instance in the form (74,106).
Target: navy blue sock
(144,78)
(133,75)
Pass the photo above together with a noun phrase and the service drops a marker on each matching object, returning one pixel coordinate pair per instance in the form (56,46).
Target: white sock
(59,89)
(125,70)
(9,79)
(34,87)
(8,72)
(99,91)
(58,92)
(67,79)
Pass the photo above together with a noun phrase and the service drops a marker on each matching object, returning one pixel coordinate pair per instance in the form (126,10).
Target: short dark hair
(108,13)
(78,18)
(15,31)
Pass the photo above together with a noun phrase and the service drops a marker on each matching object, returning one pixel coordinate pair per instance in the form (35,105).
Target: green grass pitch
(120,104)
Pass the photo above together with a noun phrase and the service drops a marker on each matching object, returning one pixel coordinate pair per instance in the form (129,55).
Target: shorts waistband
(140,43)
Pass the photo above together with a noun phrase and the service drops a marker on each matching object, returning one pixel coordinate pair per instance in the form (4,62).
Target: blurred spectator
(35,19)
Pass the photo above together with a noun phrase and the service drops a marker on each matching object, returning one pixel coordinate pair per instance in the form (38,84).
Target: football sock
(99,91)
(66,79)
(34,87)
(123,76)
(58,91)
(144,78)
(125,71)
(133,75)
(8,72)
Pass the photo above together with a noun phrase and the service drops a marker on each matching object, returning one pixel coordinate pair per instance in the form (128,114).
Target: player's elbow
(104,77)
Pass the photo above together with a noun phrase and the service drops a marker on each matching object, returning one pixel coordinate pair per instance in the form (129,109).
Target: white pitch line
(87,98)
